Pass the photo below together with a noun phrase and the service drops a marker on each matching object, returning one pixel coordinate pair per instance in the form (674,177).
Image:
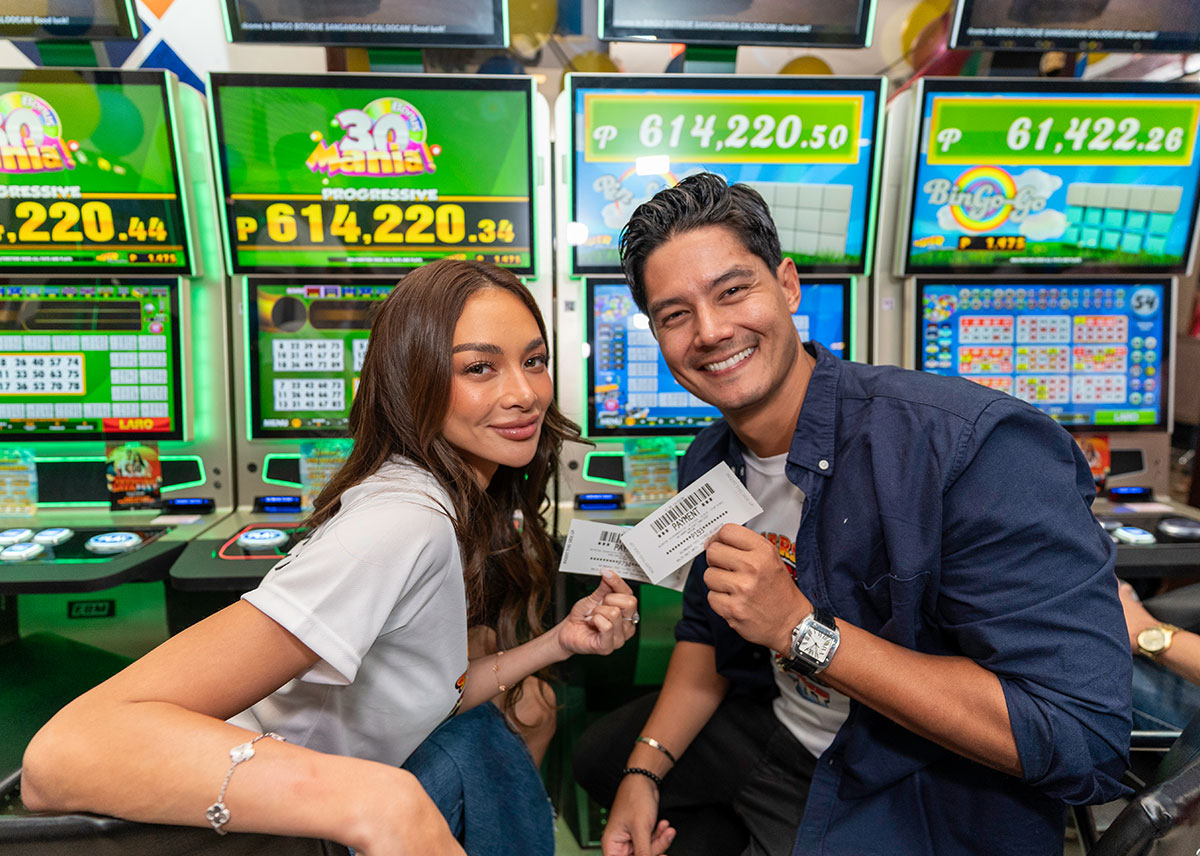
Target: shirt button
(823,464)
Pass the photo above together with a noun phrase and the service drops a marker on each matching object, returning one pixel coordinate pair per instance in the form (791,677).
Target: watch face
(815,645)
(1152,640)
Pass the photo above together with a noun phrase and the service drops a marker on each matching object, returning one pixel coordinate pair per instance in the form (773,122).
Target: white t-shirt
(377,593)
(812,711)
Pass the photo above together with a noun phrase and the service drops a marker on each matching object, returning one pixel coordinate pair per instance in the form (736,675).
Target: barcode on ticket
(610,536)
(679,514)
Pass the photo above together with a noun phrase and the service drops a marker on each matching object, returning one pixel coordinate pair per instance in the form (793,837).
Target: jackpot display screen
(1053,177)
(371,174)
(83,359)
(68,20)
(1078,25)
(631,391)
(307,344)
(89,174)
(795,23)
(809,146)
(1090,353)
(418,23)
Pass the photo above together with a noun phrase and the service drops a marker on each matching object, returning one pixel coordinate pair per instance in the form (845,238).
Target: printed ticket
(677,531)
(593,546)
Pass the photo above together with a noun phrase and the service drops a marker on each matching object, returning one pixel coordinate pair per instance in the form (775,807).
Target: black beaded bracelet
(641,771)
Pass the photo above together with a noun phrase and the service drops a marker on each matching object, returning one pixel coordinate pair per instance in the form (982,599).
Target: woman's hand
(601,622)
(1137,617)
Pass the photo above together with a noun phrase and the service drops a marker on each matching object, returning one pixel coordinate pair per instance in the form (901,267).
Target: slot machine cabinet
(124,292)
(622,139)
(309,267)
(1044,264)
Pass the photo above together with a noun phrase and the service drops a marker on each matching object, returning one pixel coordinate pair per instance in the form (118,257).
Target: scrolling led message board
(808,146)
(89,180)
(372,173)
(1057,178)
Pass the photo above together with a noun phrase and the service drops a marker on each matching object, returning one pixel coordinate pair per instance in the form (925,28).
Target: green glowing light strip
(266,462)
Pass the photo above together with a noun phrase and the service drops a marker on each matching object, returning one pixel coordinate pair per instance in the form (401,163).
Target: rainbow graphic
(31,136)
(387,137)
(976,179)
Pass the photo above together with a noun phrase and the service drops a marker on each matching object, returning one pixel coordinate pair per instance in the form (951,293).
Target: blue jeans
(1162,700)
(482,778)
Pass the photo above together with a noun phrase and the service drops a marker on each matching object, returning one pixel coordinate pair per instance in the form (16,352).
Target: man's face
(723,318)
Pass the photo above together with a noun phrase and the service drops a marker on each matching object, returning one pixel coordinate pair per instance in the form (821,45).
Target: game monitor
(795,23)
(631,392)
(399,23)
(1092,353)
(374,174)
(87,359)
(1029,178)
(90,180)
(68,20)
(808,145)
(306,349)
(1143,26)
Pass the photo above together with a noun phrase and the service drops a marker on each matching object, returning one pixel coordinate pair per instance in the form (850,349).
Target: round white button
(14,536)
(21,552)
(823,464)
(53,537)
(113,542)
(262,539)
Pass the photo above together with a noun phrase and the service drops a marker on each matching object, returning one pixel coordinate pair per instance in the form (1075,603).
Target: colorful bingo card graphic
(89,360)
(88,175)
(308,343)
(1088,354)
(809,152)
(374,174)
(1054,180)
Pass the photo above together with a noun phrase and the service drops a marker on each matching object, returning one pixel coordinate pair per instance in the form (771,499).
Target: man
(955,659)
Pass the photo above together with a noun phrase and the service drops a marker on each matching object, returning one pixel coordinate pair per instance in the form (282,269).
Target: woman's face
(501,387)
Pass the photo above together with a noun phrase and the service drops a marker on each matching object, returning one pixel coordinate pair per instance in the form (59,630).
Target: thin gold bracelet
(650,741)
(496,671)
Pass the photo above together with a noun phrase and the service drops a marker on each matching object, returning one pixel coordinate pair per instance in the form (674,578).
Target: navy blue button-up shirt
(950,519)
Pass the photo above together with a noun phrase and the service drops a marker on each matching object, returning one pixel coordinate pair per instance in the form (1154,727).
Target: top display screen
(68,20)
(1017,176)
(797,23)
(808,145)
(1078,25)
(374,174)
(89,176)
(425,23)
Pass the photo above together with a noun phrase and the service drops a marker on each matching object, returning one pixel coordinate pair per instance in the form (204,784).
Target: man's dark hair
(697,201)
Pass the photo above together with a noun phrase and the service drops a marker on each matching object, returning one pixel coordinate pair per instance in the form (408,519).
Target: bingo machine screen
(808,145)
(794,23)
(395,23)
(631,392)
(1091,354)
(373,174)
(68,20)
(87,359)
(1054,177)
(89,175)
(307,344)
(1078,25)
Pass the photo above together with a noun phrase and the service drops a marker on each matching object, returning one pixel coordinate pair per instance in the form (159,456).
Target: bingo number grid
(308,345)
(83,361)
(1086,354)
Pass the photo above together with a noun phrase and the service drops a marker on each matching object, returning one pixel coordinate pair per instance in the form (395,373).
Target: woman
(455,432)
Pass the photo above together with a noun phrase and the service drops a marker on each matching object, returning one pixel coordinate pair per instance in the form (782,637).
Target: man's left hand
(751,588)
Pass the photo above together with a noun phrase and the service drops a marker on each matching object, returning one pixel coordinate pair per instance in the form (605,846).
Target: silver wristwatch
(814,642)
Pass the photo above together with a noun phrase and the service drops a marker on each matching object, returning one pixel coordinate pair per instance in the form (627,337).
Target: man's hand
(751,588)
(631,829)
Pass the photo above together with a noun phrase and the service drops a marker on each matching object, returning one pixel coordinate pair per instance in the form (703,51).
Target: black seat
(32,834)
(1162,819)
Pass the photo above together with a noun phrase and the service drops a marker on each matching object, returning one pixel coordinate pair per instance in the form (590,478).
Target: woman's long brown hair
(399,409)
